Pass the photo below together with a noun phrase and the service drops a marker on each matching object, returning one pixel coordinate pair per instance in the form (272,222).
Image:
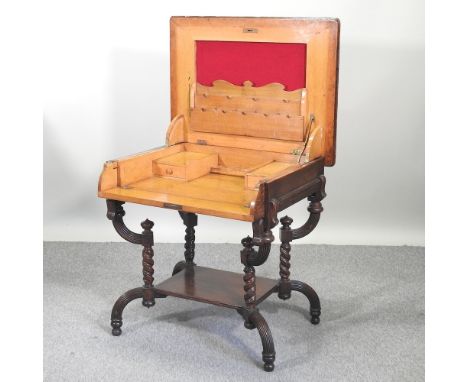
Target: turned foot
(313,298)
(269,364)
(148,303)
(315,318)
(116,325)
(249,325)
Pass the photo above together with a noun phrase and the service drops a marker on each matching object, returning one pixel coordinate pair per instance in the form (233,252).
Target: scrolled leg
(313,298)
(287,235)
(119,306)
(268,353)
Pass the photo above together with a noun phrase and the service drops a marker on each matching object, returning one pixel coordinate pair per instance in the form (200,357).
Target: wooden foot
(268,353)
(313,298)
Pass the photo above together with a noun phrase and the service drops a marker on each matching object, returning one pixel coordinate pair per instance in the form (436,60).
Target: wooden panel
(268,111)
(181,203)
(241,142)
(274,126)
(320,35)
(176,133)
(280,186)
(241,158)
(109,176)
(140,166)
(214,286)
(274,93)
(274,168)
(267,105)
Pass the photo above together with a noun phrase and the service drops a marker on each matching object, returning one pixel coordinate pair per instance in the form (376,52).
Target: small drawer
(186,165)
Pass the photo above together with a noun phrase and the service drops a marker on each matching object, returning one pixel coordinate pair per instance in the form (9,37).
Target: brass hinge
(296,151)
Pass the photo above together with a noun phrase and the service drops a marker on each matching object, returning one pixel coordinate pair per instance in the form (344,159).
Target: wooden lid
(320,37)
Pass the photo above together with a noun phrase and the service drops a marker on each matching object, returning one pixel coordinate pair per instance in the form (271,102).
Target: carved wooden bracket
(314,208)
(115,212)
(262,239)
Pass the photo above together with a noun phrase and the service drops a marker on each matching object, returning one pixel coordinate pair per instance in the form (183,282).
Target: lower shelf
(214,286)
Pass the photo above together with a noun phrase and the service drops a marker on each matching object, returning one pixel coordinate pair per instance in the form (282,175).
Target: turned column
(249,274)
(284,291)
(148,263)
(190,221)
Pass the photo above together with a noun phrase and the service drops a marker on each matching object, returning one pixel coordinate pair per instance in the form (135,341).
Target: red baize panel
(259,62)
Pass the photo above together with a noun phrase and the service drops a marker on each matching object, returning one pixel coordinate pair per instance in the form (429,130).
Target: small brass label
(250,30)
(172,206)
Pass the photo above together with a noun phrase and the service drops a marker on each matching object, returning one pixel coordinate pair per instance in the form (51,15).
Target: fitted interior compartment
(186,165)
(274,168)
(214,180)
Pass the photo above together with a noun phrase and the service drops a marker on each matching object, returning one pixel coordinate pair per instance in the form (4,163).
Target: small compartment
(186,165)
(253,178)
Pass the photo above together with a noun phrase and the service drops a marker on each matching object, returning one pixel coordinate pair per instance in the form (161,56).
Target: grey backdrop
(107,95)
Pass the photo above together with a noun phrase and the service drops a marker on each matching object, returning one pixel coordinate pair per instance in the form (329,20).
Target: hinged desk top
(253,104)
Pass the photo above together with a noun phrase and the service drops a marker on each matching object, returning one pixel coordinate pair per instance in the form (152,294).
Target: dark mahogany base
(220,288)
(241,292)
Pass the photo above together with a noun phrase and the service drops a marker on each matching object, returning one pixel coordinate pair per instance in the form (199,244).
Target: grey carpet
(372,326)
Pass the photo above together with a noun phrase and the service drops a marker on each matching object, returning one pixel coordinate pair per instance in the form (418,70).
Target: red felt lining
(259,62)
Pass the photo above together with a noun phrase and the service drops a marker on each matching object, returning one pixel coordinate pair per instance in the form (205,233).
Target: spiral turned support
(190,221)
(148,263)
(284,291)
(249,273)
(251,258)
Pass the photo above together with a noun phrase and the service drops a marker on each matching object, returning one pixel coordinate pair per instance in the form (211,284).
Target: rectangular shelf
(214,286)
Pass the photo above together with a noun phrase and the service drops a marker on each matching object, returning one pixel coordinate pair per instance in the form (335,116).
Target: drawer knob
(169,171)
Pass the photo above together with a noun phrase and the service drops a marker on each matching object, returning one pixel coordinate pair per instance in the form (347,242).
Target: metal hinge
(296,151)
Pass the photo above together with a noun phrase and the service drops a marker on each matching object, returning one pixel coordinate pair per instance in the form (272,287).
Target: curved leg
(313,298)
(268,353)
(119,306)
